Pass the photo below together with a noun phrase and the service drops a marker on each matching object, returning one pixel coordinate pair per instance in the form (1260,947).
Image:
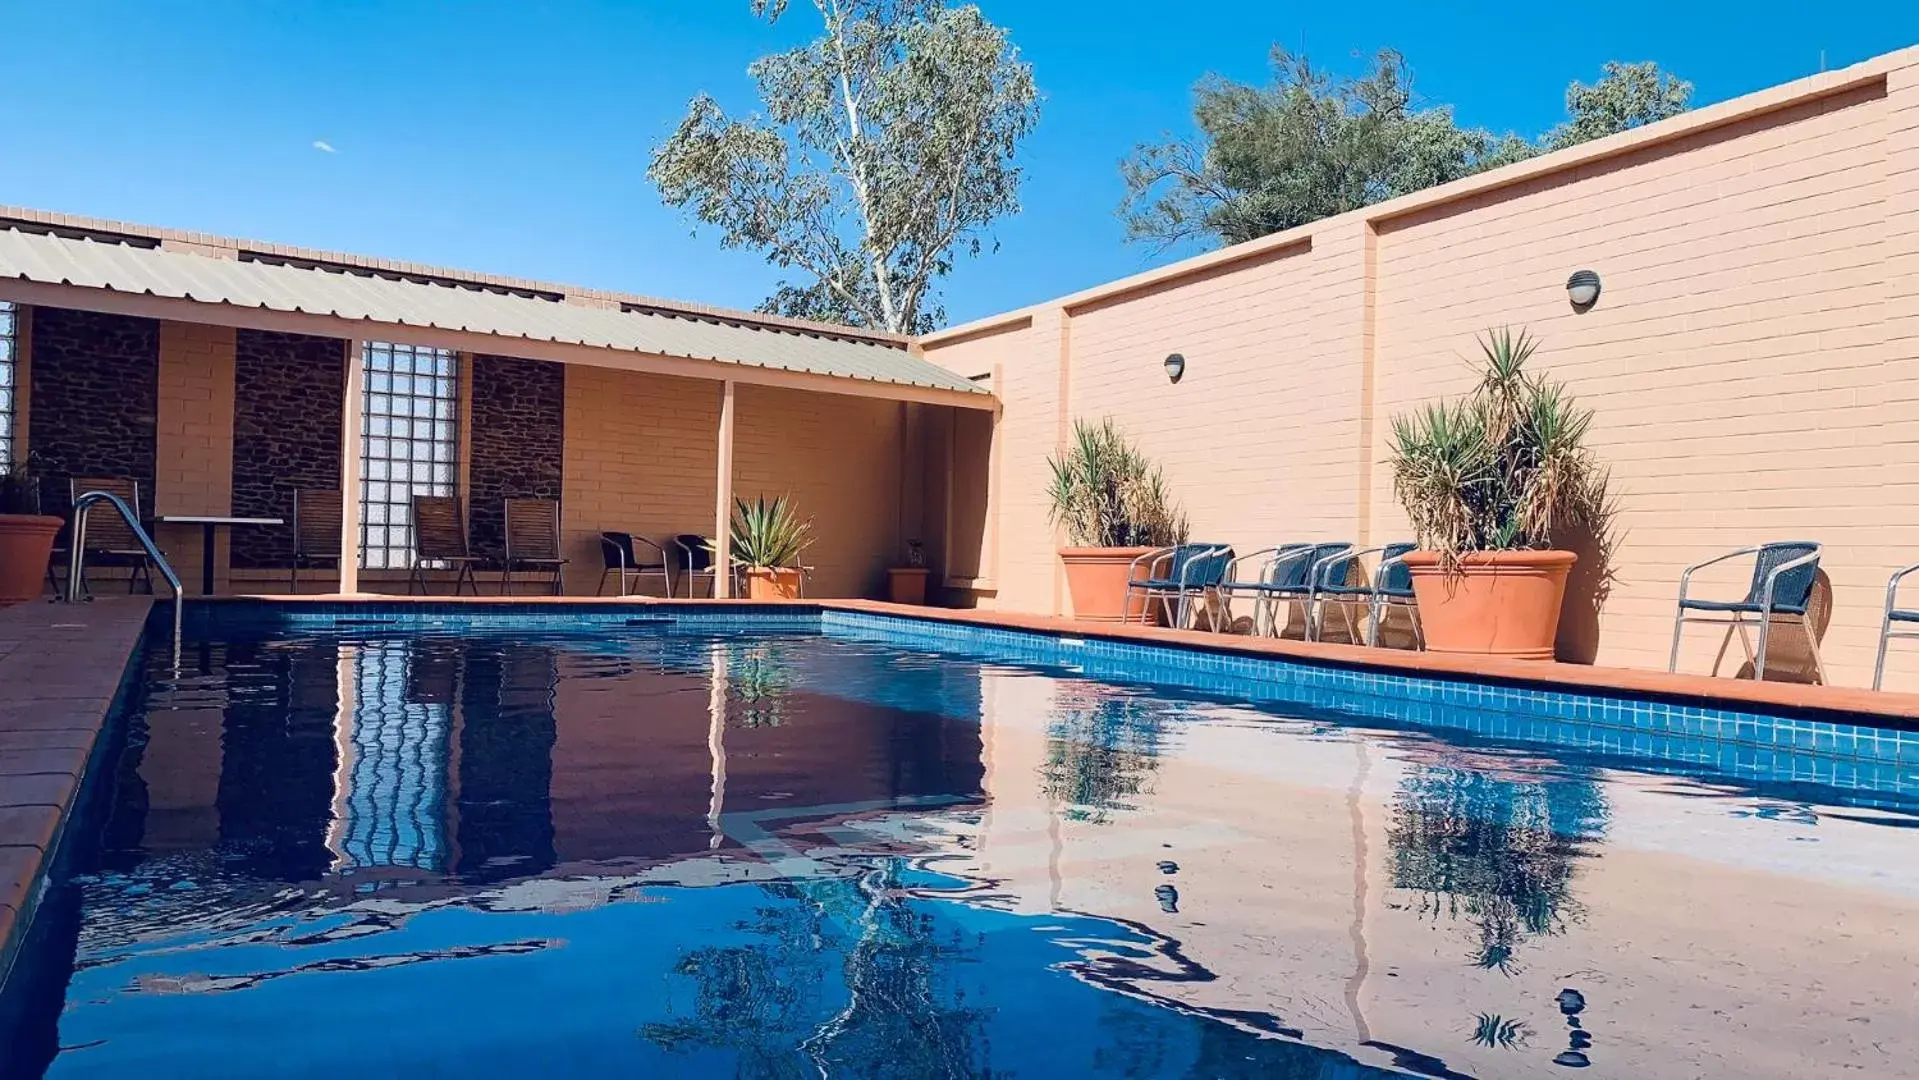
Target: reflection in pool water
(782,856)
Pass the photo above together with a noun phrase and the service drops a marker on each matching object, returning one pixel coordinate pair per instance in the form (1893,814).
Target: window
(9,336)
(409,444)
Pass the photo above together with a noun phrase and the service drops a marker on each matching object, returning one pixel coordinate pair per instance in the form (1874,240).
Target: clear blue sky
(513,136)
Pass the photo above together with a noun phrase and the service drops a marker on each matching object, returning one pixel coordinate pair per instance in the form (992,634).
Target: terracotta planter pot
(26,540)
(906,585)
(1501,603)
(1096,578)
(772,583)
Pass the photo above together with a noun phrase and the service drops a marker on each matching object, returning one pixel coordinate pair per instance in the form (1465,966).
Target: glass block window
(409,444)
(9,385)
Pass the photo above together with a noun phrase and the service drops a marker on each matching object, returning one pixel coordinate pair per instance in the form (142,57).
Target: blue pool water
(659,850)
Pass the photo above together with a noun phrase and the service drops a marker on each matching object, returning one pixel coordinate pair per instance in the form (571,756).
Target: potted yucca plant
(1489,482)
(1114,506)
(768,538)
(26,535)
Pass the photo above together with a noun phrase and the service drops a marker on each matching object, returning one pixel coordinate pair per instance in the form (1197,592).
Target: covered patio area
(223,377)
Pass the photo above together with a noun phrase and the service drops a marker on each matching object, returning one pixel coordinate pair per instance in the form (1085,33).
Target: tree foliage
(885,149)
(1311,144)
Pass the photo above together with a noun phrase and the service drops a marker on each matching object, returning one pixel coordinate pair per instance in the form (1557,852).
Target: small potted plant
(26,535)
(1113,504)
(907,584)
(768,538)
(1489,482)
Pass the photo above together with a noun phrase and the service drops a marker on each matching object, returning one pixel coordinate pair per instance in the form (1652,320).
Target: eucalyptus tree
(885,149)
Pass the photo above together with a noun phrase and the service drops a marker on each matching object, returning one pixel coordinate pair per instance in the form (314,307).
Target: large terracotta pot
(1500,603)
(906,585)
(772,583)
(1096,578)
(26,540)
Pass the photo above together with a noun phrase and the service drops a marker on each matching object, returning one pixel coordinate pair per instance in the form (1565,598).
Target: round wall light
(1583,289)
(1175,367)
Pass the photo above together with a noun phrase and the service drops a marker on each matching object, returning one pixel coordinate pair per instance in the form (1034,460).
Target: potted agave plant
(1113,504)
(26,535)
(768,538)
(1488,482)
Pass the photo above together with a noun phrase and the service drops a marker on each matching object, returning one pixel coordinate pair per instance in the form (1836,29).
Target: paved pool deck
(60,667)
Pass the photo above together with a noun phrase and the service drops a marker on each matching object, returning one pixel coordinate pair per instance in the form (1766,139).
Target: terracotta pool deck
(61,667)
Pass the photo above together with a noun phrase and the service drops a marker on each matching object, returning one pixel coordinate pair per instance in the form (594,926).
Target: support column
(723,501)
(350,422)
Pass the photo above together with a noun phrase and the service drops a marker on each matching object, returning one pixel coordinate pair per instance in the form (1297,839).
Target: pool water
(660,853)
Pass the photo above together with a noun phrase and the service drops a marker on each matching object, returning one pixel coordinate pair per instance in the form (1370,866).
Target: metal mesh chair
(1391,583)
(1782,578)
(316,532)
(1894,614)
(693,558)
(619,556)
(109,540)
(1176,577)
(533,543)
(1286,575)
(439,535)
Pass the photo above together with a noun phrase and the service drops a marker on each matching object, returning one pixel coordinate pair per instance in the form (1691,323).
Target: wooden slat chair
(316,532)
(110,542)
(533,542)
(439,535)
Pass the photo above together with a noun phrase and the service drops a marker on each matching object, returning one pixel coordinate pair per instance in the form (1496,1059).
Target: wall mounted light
(1583,289)
(1175,366)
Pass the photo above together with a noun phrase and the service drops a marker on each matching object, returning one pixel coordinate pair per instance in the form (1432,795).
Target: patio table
(208,524)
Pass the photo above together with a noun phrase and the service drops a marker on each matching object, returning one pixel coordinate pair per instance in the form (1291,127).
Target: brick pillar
(193,442)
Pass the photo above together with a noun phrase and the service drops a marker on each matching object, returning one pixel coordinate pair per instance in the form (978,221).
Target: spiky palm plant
(1105,493)
(768,534)
(1503,469)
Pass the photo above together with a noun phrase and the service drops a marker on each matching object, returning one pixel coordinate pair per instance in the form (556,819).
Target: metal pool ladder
(76,566)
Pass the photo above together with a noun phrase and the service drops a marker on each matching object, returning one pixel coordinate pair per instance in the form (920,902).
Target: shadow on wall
(1587,586)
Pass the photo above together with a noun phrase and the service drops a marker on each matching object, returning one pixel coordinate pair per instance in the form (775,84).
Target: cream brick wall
(193,442)
(840,460)
(641,456)
(1753,359)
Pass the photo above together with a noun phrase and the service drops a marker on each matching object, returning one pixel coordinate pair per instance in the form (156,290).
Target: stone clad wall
(94,399)
(517,439)
(286,433)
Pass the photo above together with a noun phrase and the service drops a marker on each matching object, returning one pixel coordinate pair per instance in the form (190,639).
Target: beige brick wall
(1753,360)
(641,456)
(193,442)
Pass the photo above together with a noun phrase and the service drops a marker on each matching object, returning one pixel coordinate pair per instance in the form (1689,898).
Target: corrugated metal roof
(56,260)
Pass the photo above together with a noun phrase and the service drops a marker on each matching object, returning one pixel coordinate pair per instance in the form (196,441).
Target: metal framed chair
(533,543)
(316,532)
(692,558)
(439,535)
(620,556)
(1390,583)
(1782,578)
(1894,614)
(1177,576)
(1286,575)
(109,540)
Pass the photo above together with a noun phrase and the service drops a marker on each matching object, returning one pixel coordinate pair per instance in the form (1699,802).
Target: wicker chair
(109,541)
(533,543)
(439,535)
(316,532)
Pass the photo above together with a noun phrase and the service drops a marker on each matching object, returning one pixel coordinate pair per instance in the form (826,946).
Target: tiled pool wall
(1740,744)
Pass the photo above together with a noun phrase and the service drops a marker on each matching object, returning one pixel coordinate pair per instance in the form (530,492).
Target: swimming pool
(479,844)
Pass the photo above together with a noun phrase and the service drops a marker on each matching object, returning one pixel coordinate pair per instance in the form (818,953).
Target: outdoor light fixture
(1583,289)
(1175,366)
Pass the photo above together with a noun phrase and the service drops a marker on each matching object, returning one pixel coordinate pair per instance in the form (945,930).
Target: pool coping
(62,669)
(1879,708)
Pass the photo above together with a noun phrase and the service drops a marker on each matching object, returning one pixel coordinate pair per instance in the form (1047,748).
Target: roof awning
(41,268)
